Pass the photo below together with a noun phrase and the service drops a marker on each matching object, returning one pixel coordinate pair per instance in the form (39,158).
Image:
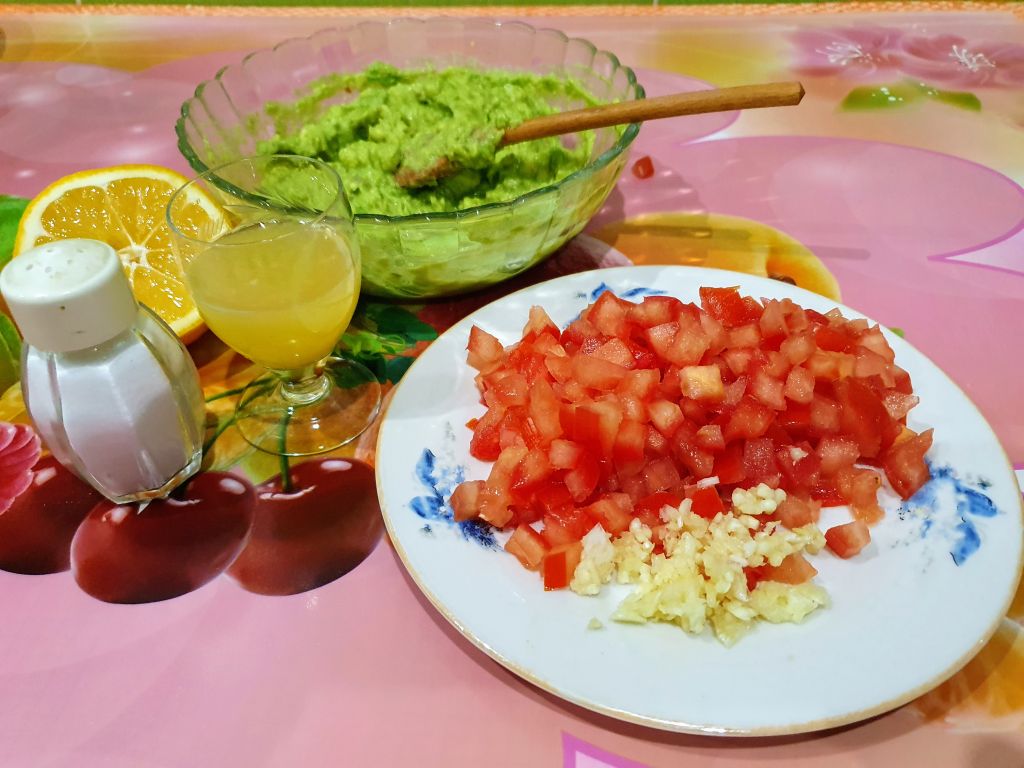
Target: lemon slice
(124,206)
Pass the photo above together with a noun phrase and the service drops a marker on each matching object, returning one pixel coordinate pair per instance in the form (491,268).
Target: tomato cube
(644,167)
(528,547)
(794,569)
(768,391)
(666,416)
(727,306)
(799,385)
(830,365)
(772,322)
(628,451)
(640,383)
(738,360)
(509,387)
(861,415)
(897,404)
(559,367)
(564,454)
(612,517)
(706,503)
(702,382)
(540,323)
(596,373)
(710,437)
(905,466)
(465,500)
(837,453)
(560,564)
(833,339)
(661,475)
(860,488)
(616,351)
(484,444)
(654,310)
(728,466)
(579,333)
(544,410)
(824,415)
(874,340)
(759,464)
(745,336)
(633,409)
(798,348)
(486,354)
(718,336)
(582,479)
(849,539)
(748,419)
(795,512)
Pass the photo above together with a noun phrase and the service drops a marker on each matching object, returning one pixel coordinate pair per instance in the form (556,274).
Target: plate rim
(675,726)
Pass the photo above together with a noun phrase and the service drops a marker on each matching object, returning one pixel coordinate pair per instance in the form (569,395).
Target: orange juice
(281,293)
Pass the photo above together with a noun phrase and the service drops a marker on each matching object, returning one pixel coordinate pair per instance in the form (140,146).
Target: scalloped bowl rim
(621,145)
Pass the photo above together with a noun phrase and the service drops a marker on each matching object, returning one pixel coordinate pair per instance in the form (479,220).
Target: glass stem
(305,386)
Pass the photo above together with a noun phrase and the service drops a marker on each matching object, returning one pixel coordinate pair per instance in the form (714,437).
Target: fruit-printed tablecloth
(895,187)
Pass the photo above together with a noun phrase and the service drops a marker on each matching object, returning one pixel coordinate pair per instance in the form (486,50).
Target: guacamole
(384,118)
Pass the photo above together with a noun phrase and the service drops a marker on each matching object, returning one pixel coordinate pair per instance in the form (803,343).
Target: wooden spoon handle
(641,110)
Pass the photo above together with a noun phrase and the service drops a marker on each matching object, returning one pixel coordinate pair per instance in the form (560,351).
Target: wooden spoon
(621,113)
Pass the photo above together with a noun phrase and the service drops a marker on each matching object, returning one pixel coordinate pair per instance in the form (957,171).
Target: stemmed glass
(277,279)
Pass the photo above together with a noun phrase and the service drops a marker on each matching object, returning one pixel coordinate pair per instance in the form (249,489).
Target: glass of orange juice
(278,281)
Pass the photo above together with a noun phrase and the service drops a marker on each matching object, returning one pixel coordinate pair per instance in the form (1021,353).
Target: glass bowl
(429,254)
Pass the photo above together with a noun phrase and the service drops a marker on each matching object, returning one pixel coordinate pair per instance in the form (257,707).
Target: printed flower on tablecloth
(910,67)
(952,60)
(859,52)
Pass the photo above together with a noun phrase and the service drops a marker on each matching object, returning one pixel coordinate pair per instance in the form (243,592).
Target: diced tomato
(860,488)
(559,367)
(799,385)
(628,451)
(773,320)
(544,410)
(831,339)
(484,444)
(666,416)
(579,334)
(768,391)
(582,479)
(706,503)
(596,373)
(465,500)
(531,471)
(661,475)
(748,419)
(564,454)
(849,539)
(728,466)
(509,387)
(861,415)
(528,547)
(798,348)
(701,463)
(759,464)
(738,360)
(794,569)
(830,366)
(824,414)
(868,364)
(897,404)
(615,351)
(560,564)
(648,509)
(826,492)
(710,437)
(702,382)
(905,466)
(552,496)
(540,323)
(795,512)
(874,340)
(486,353)
(800,469)
(689,344)
(644,167)
(612,517)
(734,392)
(655,443)
(836,453)
(745,336)
(654,310)
(718,336)
(671,387)
(608,314)
(727,306)
(565,525)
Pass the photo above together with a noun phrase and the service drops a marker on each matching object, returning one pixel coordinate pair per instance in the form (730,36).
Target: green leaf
(880,97)
(11,209)
(898,331)
(390,319)
(10,353)
(397,366)
(958,99)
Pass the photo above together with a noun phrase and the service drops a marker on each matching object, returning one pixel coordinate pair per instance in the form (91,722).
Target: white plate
(904,615)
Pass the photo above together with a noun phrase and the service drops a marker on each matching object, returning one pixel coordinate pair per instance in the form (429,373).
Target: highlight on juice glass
(279,283)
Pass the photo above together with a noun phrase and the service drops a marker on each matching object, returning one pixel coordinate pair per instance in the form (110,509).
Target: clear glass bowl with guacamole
(502,212)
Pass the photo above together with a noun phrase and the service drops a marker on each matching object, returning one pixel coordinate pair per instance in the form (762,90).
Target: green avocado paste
(369,124)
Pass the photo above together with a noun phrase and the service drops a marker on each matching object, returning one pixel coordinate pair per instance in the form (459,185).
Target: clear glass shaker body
(127,415)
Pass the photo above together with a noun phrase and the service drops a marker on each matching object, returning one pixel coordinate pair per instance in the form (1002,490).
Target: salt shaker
(110,387)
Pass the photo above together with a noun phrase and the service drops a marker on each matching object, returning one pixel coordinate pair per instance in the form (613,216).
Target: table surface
(902,199)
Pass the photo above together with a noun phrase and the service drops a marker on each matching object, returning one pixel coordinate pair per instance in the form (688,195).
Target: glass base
(315,415)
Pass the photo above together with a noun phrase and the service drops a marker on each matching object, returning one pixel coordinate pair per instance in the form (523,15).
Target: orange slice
(124,206)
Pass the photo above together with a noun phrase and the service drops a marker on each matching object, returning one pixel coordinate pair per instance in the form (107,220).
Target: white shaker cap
(68,295)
